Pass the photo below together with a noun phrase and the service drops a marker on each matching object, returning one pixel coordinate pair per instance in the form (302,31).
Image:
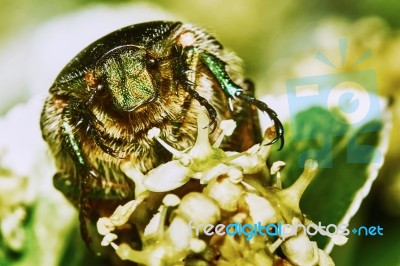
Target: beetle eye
(151,62)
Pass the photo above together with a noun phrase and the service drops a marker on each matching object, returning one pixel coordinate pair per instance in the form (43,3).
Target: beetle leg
(233,91)
(210,109)
(187,63)
(89,120)
(99,142)
(217,68)
(99,189)
(84,171)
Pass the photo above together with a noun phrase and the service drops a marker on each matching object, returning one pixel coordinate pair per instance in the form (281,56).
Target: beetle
(155,74)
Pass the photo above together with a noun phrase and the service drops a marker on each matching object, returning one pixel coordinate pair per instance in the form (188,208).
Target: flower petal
(167,177)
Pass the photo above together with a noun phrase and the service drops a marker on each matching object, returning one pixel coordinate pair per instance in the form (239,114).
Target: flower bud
(260,209)
(167,177)
(179,234)
(225,193)
(199,208)
(299,249)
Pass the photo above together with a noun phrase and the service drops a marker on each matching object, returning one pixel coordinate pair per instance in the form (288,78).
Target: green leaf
(349,155)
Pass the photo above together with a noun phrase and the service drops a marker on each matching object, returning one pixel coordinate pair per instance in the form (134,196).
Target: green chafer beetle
(156,74)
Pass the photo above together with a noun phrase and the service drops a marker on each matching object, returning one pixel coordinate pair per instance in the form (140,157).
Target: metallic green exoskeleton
(155,74)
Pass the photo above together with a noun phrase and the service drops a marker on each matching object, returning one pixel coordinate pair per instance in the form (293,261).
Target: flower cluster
(224,187)
(14,197)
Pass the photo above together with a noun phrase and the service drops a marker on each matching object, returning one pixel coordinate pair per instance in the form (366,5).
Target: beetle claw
(272,115)
(213,123)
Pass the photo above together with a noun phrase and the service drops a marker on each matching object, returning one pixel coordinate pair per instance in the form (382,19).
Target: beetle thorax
(124,74)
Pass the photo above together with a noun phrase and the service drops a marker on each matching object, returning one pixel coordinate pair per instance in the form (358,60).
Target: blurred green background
(277,40)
